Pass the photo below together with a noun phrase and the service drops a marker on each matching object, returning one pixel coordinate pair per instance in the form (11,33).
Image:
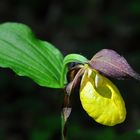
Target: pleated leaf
(21,51)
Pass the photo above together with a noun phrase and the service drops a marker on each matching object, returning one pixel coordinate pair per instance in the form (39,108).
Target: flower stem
(62,126)
(66,110)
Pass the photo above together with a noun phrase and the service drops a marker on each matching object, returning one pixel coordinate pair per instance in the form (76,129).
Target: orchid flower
(99,97)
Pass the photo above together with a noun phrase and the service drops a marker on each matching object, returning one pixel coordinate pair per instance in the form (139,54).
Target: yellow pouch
(101,99)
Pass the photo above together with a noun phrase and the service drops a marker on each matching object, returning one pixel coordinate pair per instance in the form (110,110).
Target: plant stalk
(66,110)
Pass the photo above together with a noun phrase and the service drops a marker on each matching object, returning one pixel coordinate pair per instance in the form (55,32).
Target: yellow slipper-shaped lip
(101,99)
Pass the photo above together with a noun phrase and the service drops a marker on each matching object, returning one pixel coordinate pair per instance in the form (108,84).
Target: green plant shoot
(39,60)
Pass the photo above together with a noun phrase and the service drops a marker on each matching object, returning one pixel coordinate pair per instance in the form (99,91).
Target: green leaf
(28,56)
(68,59)
(74,58)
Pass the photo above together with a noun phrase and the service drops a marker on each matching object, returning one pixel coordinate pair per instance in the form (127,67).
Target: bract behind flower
(101,99)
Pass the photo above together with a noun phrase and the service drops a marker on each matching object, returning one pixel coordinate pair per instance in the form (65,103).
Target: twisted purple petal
(110,63)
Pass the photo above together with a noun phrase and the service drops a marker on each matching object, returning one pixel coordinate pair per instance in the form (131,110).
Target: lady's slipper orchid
(99,97)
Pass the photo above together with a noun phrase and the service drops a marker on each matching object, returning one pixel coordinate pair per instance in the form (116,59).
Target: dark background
(31,112)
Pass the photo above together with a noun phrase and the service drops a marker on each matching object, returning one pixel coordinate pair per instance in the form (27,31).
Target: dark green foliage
(84,27)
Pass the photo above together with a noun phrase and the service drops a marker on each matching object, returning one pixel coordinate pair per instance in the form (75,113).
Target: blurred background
(31,112)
